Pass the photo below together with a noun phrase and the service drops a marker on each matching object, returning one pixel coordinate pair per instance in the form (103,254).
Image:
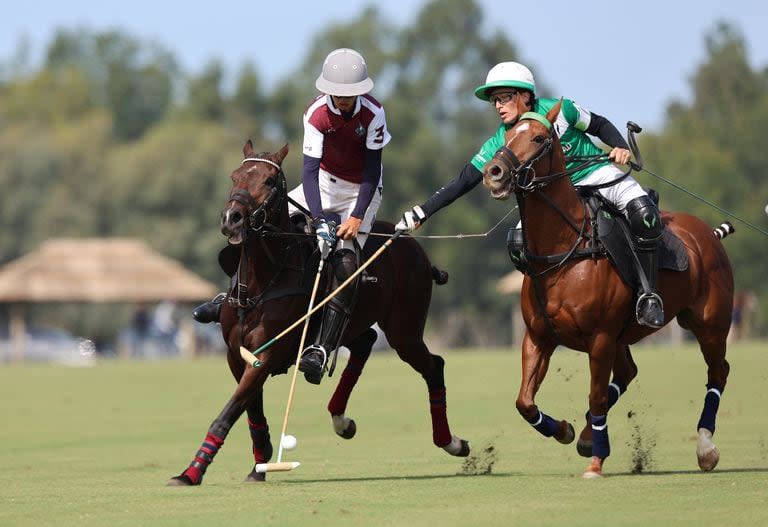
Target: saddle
(612,236)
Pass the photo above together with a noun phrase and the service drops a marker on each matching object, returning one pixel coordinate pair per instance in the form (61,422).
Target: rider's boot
(645,224)
(209,311)
(336,315)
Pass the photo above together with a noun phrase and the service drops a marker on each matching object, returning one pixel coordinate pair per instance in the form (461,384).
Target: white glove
(326,236)
(412,220)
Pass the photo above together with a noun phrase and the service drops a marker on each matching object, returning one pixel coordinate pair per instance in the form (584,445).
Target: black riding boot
(336,315)
(645,224)
(209,311)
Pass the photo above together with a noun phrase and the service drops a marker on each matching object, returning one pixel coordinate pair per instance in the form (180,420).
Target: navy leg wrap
(601,447)
(544,424)
(711,404)
(615,389)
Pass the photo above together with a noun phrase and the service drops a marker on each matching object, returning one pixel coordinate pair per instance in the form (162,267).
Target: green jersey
(570,125)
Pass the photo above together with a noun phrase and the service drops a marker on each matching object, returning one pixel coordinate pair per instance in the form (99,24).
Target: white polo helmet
(507,75)
(344,74)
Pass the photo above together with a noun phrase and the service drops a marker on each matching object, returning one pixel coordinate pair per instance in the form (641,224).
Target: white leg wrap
(340,423)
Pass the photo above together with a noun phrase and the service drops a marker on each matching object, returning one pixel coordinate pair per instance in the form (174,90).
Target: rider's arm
(463,183)
(371,176)
(604,130)
(311,185)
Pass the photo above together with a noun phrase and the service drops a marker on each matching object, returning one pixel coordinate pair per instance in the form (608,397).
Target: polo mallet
(280,466)
(251,357)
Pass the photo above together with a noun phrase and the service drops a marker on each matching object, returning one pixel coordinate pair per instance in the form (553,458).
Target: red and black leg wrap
(203,458)
(262,446)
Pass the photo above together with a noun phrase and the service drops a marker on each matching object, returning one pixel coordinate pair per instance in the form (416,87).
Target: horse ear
(552,113)
(248,149)
(280,154)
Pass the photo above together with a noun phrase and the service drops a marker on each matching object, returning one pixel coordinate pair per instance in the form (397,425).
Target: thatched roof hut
(95,270)
(99,270)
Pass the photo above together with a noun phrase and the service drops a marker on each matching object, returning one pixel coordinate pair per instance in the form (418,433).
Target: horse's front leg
(624,371)
(259,430)
(248,390)
(601,360)
(359,351)
(536,356)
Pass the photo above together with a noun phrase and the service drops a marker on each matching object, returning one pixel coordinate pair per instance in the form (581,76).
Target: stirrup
(645,300)
(313,369)
(209,311)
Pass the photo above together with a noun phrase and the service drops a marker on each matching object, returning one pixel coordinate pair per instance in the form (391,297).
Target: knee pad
(644,220)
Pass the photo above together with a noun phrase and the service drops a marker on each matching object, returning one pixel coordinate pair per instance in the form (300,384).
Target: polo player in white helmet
(511,90)
(345,131)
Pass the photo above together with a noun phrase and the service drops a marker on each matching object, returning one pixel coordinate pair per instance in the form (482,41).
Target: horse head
(527,157)
(257,196)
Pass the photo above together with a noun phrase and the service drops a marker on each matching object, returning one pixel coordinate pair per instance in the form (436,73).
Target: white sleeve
(313,140)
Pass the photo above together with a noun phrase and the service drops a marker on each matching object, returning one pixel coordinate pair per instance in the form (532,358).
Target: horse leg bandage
(601,446)
(262,446)
(203,458)
(711,404)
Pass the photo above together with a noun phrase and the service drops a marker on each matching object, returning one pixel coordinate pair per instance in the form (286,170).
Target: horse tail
(439,276)
(724,230)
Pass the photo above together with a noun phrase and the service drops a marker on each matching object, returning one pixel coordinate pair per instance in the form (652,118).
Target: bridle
(522,173)
(258,227)
(259,215)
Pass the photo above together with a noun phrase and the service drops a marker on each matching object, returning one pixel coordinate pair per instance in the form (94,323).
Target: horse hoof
(709,460)
(457,447)
(566,432)
(256,477)
(344,426)
(584,448)
(180,481)
(706,451)
(595,469)
(350,431)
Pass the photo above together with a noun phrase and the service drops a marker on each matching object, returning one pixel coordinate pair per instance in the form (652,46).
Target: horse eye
(539,139)
(270,182)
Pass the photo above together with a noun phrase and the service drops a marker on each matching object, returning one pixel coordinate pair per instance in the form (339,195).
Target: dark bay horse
(274,278)
(583,304)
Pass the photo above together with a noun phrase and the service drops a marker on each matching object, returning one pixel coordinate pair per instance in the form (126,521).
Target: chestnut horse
(274,274)
(583,304)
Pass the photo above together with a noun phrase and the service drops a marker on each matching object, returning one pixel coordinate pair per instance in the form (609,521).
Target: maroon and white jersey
(340,144)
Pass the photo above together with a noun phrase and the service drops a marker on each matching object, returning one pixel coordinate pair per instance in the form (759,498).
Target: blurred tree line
(110,138)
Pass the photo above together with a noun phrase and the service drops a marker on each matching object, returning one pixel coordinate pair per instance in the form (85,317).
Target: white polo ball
(766,209)
(289,442)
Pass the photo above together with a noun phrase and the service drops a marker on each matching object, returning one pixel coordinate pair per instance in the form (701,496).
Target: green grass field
(95,446)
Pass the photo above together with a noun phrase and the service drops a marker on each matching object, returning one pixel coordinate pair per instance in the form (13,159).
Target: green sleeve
(489,148)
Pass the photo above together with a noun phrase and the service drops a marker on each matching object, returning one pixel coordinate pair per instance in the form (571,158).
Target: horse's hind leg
(259,430)
(359,351)
(624,371)
(431,367)
(712,342)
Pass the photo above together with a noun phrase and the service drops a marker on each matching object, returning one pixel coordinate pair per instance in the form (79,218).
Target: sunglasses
(502,98)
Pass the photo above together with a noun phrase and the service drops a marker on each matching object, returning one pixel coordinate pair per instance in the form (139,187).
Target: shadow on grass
(755,470)
(408,478)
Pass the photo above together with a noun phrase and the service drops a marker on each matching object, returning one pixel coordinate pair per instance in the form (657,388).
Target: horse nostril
(496,172)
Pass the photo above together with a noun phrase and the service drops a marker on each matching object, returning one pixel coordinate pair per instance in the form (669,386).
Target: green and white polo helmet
(507,75)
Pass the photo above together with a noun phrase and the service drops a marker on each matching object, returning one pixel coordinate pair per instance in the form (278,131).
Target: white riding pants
(340,196)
